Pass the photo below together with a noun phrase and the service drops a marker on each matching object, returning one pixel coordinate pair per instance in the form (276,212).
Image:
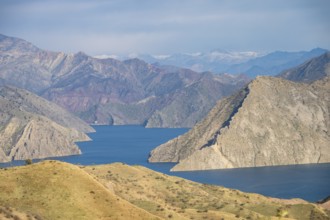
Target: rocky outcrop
(31,127)
(271,122)
(109,91)
(325,203)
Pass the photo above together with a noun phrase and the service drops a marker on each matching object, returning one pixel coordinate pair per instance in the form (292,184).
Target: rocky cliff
(270,122)
(32,127)
(109,91)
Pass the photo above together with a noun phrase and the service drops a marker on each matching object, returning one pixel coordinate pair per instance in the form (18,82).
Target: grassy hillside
(8,213)
(177,198)
(57,190)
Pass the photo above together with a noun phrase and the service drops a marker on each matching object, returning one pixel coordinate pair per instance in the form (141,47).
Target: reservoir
(132,144)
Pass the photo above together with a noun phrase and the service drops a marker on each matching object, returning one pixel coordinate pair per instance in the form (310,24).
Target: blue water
(132,144)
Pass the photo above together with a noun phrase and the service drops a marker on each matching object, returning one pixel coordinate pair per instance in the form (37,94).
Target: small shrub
(17,218)
(28,161)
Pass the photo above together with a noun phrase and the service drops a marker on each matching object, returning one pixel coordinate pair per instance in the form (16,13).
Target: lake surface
(132,144)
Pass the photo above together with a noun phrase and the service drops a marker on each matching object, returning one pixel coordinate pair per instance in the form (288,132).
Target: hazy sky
(168,26)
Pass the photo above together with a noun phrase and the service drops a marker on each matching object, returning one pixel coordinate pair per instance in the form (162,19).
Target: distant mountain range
(113,92)
(274,63)
(310,71)
(216,61)
(220,61)
(272,121)
(109,91)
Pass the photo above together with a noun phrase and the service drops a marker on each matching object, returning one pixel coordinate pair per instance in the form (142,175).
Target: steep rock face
(109,91)
(31,127)
(271,122)
(201,135)
(310,71)
(39,138)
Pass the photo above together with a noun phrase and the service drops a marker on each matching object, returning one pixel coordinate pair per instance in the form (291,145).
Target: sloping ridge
(279,123)
(113,92)
(310,71)
(203,134)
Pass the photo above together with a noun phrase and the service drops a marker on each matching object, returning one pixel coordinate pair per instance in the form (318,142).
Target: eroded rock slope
(32,127)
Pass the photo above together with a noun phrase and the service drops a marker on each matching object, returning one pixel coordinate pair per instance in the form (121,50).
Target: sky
(157,27)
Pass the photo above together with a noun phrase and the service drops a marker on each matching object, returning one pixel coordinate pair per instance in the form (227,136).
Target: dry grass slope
(8,213)
(56,190)
(176,198)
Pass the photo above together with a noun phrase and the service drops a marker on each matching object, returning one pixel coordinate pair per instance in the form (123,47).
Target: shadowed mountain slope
(309,71)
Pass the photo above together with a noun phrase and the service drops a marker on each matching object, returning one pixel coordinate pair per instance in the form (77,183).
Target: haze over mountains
(109,91)
(220,61)
(270,122)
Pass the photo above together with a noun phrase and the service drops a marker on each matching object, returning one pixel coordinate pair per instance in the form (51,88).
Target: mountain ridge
(222,61)
(109,91)
(311,70)
(275,62)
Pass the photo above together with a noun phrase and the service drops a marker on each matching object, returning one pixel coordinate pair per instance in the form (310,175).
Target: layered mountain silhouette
(275,62)
(272,121)
(32,127)
(109,91)
(250,63)
(312,70)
